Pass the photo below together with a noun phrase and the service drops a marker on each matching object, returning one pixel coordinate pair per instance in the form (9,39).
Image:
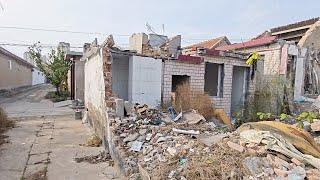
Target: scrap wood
(279,144)
(222,116)
(300,139)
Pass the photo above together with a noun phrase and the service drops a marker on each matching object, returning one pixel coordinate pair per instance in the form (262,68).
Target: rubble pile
(167,145)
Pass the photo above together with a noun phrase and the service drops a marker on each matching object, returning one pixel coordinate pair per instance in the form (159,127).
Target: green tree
(56,70)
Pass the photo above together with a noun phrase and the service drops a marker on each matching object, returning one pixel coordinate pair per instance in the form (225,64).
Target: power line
(58,31)
(94,33)
(28,45)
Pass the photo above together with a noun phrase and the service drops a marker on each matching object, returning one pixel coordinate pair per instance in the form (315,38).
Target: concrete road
(47,139)
(32,103)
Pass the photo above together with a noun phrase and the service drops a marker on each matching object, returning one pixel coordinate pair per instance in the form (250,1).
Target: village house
(209,44)
(115,78)
(37,76)
(14,71)
(75,75)
(288,58)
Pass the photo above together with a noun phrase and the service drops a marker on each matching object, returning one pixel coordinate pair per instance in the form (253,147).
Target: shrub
(187,98)
(5,123)
(54,97)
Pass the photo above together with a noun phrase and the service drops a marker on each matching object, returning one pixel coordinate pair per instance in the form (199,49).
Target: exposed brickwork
(172,67)
(197,72)
(224,102)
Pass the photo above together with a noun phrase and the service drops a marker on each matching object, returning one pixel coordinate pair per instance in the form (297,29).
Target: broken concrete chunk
(131,137)
(141,138)
(181,131)
(280,172)
(235,146)
(297,162)
(172,151)
(142,131)
(210,140)
(315,127)
(149,136)
(313,174)
(127,107)
(119,107)
(280,163)
(136,146)
(297,173)
(254,165)
(163,139)
(192,117)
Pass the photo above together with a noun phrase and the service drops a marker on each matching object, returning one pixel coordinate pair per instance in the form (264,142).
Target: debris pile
(94,159)
(170,145)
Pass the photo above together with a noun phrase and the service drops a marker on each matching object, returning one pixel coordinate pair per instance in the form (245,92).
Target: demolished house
(281,73)
(124,88)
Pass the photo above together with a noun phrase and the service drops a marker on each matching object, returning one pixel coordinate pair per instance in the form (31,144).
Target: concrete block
(127,107)
(119,107)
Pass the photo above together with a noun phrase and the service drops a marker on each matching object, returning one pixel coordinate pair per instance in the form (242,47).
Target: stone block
(119,107)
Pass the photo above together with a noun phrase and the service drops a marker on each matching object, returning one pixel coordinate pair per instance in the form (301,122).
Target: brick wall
(174,67)
(197,72)
(224,102)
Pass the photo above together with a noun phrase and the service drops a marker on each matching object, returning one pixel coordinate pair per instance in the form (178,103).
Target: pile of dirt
(95,159)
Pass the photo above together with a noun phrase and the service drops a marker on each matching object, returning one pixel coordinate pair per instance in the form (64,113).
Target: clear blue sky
(194,20)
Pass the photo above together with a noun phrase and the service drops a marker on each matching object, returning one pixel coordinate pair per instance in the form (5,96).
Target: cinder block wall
(224,102)
(174,67)
(197,72)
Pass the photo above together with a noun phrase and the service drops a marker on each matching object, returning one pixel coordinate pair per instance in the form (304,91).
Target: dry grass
(5,124)
(222,163)
(187,98)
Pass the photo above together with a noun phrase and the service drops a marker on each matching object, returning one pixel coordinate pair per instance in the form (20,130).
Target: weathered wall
(145,75)
(19,75)
(173,67)
(224,101)
(95,91)
(197,72)
(311,39)
(271,55)
(120,76)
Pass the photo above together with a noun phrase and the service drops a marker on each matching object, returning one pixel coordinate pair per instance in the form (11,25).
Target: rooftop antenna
(162,29)
(150,28)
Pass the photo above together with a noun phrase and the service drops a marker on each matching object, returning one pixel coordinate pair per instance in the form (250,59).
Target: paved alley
(45,141)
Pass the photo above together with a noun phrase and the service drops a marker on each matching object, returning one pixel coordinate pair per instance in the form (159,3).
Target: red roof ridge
(205,43)
(252,43)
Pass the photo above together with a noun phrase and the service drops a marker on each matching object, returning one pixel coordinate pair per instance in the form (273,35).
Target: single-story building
(14,71)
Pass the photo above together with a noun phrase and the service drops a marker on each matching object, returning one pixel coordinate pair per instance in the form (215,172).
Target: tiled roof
(17,58)
(207,44)
(295,25)
(253,43)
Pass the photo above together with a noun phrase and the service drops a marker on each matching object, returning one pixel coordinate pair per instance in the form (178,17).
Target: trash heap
(167,145)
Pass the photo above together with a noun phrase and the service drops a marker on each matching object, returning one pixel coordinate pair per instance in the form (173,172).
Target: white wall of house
(145,77)
(37,77)
(94,82)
